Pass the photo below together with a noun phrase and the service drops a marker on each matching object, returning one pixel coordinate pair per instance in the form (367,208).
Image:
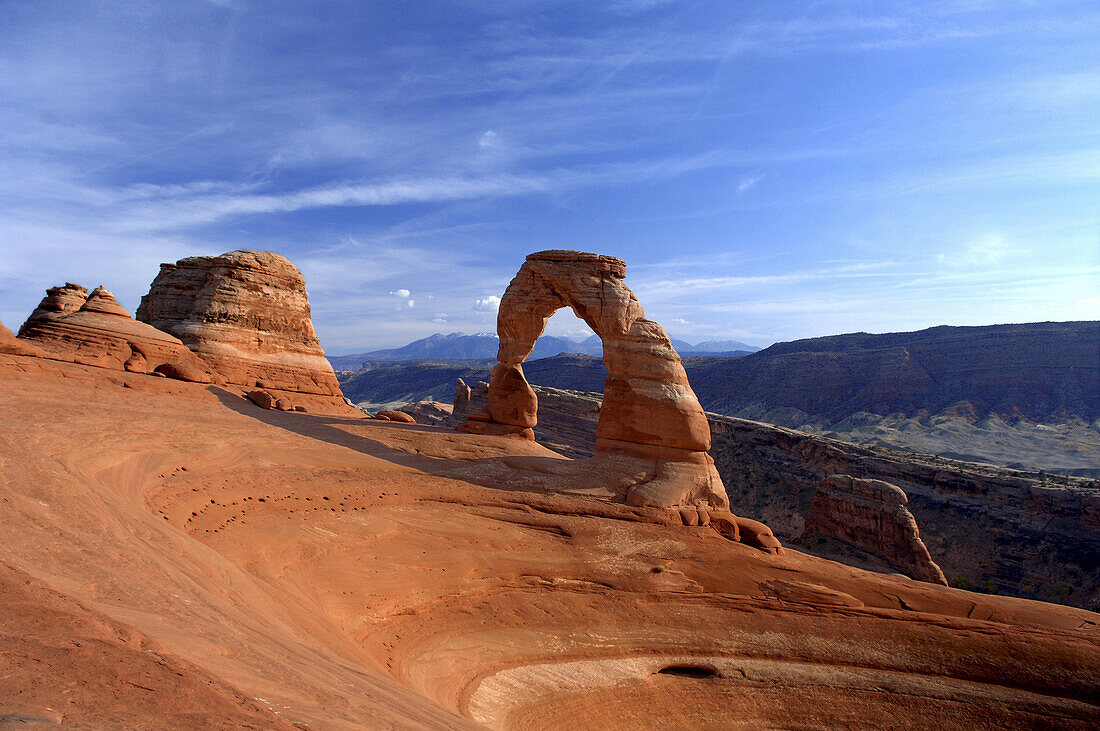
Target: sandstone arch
(652,437)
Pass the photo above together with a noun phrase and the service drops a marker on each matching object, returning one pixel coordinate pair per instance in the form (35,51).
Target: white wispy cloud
(985,251)
(489,139)
(748,183)
(489,303)
(439,152)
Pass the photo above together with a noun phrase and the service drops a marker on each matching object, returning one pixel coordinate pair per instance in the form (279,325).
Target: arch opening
(652,437)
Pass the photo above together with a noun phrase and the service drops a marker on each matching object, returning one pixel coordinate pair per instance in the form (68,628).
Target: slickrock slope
(62,664)
(996,529)
(101,333)
(652,437)
(353,573)
(246,313)
(871,514)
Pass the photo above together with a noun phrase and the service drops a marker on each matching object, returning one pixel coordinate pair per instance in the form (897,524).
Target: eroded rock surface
(652,437)
(10,345)
(246,313)
(343,573)
(101,333)
(428,412)
(392,415)
(58,301)
(987,527)
(872,515)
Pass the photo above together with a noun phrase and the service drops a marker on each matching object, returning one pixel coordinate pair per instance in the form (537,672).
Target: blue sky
(769,170)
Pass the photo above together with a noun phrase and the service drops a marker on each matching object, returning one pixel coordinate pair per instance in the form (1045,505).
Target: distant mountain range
(460,346)
(944,390)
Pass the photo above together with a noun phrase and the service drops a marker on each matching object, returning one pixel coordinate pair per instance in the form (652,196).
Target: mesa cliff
(1040,371)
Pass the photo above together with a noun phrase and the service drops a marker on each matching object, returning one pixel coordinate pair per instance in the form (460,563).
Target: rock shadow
(515,473)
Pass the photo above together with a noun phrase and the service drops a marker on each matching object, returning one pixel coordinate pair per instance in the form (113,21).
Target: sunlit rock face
(10,345)
(63,300)
(101,333)
(246,313)
(872,515)
(175,558)
(653,437)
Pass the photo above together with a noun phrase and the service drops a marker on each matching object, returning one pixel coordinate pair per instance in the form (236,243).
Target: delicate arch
(650,415)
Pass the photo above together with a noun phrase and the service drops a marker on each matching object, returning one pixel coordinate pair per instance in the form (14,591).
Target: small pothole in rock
(688,671)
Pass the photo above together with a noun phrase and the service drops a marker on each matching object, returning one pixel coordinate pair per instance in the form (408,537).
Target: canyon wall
(986,527)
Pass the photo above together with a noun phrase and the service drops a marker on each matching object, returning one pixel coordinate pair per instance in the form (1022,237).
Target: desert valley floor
(174,556)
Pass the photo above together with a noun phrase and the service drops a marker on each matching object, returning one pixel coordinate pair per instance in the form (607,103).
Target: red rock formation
(246,313)
(261,398)
(10,345)
(391,415)
(102,334)
(871,514)
(345,573)
(58,301)
(652,437)
(468,400)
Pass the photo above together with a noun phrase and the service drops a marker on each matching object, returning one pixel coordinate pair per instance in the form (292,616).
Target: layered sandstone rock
(652,437)
(63,300)
(392,415)
(872,515)
(10,345)
(468,400)
(345,573)
(246,313)
(101,333)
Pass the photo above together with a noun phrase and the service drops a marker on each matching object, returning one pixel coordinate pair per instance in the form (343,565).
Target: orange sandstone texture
(652,437)
(11,345)
(246,313)
(58,301)
(65,665)
(184,552)
(101,333)
(871,514)
(391,415)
